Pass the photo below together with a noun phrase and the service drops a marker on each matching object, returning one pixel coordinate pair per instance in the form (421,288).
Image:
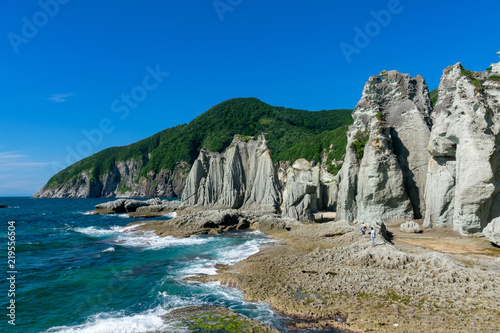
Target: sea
(72,271)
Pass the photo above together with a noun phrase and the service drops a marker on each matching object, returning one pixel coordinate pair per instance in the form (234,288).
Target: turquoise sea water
(88,273)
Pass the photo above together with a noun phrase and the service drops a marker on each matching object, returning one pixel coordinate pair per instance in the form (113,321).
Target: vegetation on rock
(434,94)
(359,143)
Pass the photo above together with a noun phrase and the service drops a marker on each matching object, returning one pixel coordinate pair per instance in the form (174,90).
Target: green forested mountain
(291,134)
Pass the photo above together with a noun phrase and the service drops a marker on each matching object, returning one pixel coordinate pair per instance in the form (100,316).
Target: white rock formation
(386,180)
(410,227)
(463,179)
(492,231)
(300,193)
(241,177)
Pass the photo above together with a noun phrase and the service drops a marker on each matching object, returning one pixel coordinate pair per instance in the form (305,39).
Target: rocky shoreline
(411,281)
(327,271)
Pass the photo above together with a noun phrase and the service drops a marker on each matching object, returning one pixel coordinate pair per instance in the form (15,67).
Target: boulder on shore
(411,227)
(492,231)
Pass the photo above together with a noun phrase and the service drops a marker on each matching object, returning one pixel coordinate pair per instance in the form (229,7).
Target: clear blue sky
(65,70)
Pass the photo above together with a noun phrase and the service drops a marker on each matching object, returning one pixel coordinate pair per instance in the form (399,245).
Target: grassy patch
(494,77)
(215,322)
(473,80)
(434,95)
(125,189)
(359,143)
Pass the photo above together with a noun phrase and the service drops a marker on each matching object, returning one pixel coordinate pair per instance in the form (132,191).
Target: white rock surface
(492,231)
(241,177)
(463,179)
(410,227)
(388,181)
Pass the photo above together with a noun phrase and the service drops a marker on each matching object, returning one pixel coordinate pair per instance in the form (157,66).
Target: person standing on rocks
(363,230)
(372,234)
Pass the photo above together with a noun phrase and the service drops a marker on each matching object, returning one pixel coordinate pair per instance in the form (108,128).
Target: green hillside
(291,134)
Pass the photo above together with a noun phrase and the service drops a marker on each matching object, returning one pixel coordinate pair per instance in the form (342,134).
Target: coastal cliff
(123,180)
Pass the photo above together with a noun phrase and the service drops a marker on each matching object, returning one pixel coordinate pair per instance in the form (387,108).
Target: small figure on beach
(372,234)
(363,230)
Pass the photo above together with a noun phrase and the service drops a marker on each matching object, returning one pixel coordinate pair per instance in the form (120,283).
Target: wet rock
(208,318)
(3,206)
(203,222)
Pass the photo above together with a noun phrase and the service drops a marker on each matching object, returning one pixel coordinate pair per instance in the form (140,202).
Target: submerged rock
(3,206)
(209,318)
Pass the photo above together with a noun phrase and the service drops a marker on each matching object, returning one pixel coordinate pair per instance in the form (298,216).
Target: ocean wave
(95,231)
(128,237)
(227,255)
(109,249)
(151,241)
(149,321)
(171,215)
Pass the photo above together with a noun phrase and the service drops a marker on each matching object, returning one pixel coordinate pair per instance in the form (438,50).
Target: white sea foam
(153,242)
(232,255)
(87,213)
(171,215)
(228,255)
(95,232)
(127,236)
(149,321)
(109,249)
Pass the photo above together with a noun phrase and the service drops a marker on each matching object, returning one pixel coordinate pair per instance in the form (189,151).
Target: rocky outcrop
(242,177)
(410,227)
(3,206)
(308,189)
(492,231)
(200,223)
(122,180)
(299,196)
(384,172)
(463,176)
(130,206)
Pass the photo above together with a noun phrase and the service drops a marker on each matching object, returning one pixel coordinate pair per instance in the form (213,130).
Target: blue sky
(67,66)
